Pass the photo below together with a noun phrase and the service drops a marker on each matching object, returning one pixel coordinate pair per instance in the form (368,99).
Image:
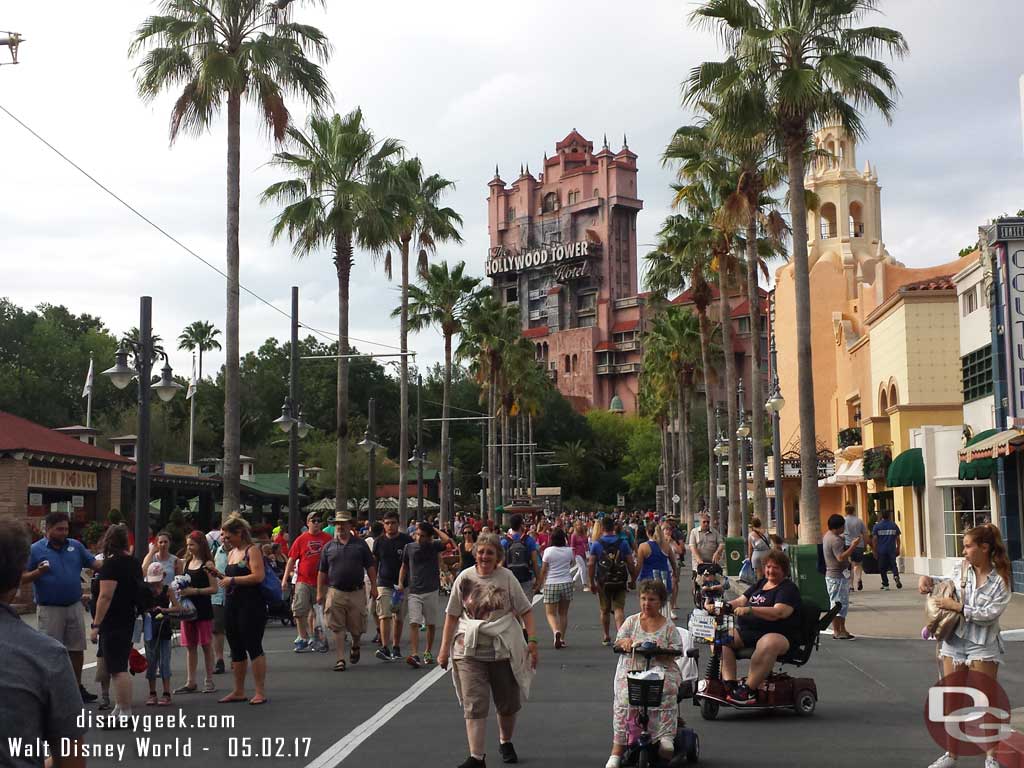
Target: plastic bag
(747,575)
(942,623)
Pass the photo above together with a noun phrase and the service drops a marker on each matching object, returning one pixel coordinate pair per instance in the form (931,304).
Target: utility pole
(294,514)
(371,472)
(419,447)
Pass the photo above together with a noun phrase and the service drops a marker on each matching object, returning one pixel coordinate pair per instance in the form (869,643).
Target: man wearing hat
(344,564)
(304,561)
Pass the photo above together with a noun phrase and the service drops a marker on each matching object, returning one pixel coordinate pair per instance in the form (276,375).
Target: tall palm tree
(229,51)
(814,63)
(134,336)
(199,336)
(421,223)
(337,199)
(441,300)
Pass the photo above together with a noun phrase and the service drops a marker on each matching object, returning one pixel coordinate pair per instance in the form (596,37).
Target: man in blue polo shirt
(55,573)
(885,540)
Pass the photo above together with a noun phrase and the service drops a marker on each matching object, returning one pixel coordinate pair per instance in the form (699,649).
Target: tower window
(828,221)
(856,220)
(550,202)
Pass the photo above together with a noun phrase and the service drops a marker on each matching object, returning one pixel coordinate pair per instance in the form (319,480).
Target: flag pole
(88,390)
(192,409)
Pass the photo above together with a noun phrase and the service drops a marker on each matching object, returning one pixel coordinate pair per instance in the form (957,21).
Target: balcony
(848,438)
(604,369)
(629,301)
(628,368)
(537,314)
(876,462)
(627,346)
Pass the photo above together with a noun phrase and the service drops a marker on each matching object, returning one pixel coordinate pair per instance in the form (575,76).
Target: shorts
(839,592)
(218,619)
(480,681)
(65,624)
(424,609)
(962,651)
(196,633)
(611,599)
(385,610)
(346,611)
(303,597)
(115,645)
(857,556)
(556,593)
(749,637)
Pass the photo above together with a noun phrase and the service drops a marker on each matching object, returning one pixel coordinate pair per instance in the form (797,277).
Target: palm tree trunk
(200,364)
(687,514)
(494,493)
(445,511)
(810,528)
(666,471)
(403,398)
(709,405)
(731,385)
(684,479)
(756,385)
(343,262)
(673,455)
(232,378)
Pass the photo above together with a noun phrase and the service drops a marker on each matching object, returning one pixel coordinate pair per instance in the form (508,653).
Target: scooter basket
(644,693)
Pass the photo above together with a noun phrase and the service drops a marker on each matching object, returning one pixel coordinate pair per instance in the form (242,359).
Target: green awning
(979,469)
(906,469)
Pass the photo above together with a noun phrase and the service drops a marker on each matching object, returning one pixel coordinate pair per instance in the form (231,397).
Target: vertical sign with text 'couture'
(1010,237)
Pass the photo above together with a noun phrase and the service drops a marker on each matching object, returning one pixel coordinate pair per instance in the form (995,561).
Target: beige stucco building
(885,345)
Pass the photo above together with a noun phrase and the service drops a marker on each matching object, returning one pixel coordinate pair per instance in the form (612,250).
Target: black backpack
(611,568)
(517,559)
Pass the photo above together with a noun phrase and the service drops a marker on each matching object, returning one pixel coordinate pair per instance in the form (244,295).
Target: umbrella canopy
(324,505)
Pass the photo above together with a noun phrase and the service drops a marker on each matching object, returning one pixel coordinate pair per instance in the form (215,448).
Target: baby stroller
(709,582)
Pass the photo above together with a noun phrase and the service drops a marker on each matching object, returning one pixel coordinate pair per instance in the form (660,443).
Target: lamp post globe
(167,387)
(120,374)
(285,422)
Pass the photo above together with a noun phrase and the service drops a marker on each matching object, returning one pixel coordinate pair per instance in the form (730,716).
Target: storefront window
(964,507)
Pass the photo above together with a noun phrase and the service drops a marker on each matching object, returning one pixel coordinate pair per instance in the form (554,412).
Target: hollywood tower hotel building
(563,251)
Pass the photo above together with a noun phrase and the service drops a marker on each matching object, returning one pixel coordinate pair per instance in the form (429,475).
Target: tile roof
(940,283)
(626,325)
(572,136)
(535,333)
(18,434)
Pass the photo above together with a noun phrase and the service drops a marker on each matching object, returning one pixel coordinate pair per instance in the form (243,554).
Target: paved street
(871,701)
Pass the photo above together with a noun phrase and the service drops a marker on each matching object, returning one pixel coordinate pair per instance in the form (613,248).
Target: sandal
(165,700)
(232,699)
(558,640)
(255,701)
(353,654)
(209,687)
(151,700)
(339,665)
(187,688)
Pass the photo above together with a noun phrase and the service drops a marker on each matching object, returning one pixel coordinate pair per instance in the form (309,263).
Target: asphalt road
(870,711)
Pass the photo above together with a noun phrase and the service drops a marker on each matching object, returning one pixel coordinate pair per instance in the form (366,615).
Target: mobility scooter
(779,690)
(646,693)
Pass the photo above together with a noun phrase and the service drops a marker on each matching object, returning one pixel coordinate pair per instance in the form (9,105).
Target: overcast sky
(464,85)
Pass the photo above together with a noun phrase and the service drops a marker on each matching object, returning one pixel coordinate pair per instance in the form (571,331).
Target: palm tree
(441,301)
(421,223)
(229,51)
(201,336)
(813,63)
(337,199)
(134,336)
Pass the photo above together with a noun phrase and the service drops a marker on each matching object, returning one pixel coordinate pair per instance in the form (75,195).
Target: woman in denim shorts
(975,643)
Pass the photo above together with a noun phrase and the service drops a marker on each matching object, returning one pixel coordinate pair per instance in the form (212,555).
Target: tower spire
(606,141)
(625,144)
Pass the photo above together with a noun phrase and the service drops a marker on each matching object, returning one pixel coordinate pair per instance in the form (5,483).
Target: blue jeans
(158,656)
(886,563)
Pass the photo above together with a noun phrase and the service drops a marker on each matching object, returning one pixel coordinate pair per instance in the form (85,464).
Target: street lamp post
(721,451)
(419,447)
(774,405)
(121,375)
(370,445)
(743,433)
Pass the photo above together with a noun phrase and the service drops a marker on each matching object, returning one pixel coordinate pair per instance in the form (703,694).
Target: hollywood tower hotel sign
(563,252)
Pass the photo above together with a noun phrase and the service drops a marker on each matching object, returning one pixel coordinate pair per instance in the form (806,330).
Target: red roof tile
(941,283)
(573,136)
(534,333)
(18,434)
(626,325)
(604,346)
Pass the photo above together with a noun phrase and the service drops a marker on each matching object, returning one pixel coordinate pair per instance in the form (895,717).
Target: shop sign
(35,499)
(504,260)
(1014,286)
(77,501)
(61,479)
(181,470)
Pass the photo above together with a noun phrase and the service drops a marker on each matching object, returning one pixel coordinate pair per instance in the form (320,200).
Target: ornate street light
(775,402)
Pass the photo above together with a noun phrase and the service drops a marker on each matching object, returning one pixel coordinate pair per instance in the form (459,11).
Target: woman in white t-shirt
(556,578)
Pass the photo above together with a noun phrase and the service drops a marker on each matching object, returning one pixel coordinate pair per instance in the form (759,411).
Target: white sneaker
(946,761)
(674,615)
(991,762)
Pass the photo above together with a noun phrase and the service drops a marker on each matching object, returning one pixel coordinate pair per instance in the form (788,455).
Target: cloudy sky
(464,85)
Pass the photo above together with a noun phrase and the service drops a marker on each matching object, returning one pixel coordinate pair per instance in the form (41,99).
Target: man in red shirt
(304,557)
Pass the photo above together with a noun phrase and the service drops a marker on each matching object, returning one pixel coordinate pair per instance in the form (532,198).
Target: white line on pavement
(347,744)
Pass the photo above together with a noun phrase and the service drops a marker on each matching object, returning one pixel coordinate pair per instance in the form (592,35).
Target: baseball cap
(154,573)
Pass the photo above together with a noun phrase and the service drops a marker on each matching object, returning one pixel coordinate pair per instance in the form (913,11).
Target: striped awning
(999,444)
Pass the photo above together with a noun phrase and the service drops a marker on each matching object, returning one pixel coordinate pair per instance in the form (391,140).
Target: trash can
(735,552)
(804,560)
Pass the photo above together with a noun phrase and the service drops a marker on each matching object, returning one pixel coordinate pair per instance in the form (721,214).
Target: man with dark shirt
(387,551)
(422,567)
(39,699)
(885,541)
(344,563)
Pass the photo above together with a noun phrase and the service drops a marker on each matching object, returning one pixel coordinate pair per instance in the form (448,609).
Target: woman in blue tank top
(652,562)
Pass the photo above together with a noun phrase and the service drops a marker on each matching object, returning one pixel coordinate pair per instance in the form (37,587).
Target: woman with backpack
(198,632)
(245,612)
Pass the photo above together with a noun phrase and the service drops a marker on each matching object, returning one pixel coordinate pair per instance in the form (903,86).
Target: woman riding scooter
(650,625)
(767,620)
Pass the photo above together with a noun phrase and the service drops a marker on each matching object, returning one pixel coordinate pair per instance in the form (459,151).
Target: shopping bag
(747,575)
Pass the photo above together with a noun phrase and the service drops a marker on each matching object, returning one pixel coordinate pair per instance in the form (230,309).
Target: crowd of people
(474,579)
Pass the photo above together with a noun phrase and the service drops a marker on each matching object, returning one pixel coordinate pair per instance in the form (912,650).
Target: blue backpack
(270,587)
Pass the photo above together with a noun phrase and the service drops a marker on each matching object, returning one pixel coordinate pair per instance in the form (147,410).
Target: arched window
(842,153)
(828,221)
(575,363)
(568,369)
(856,219)
(550,202)
(893,399)
(832,151)
(883,402)
(545,352)
(596,192)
